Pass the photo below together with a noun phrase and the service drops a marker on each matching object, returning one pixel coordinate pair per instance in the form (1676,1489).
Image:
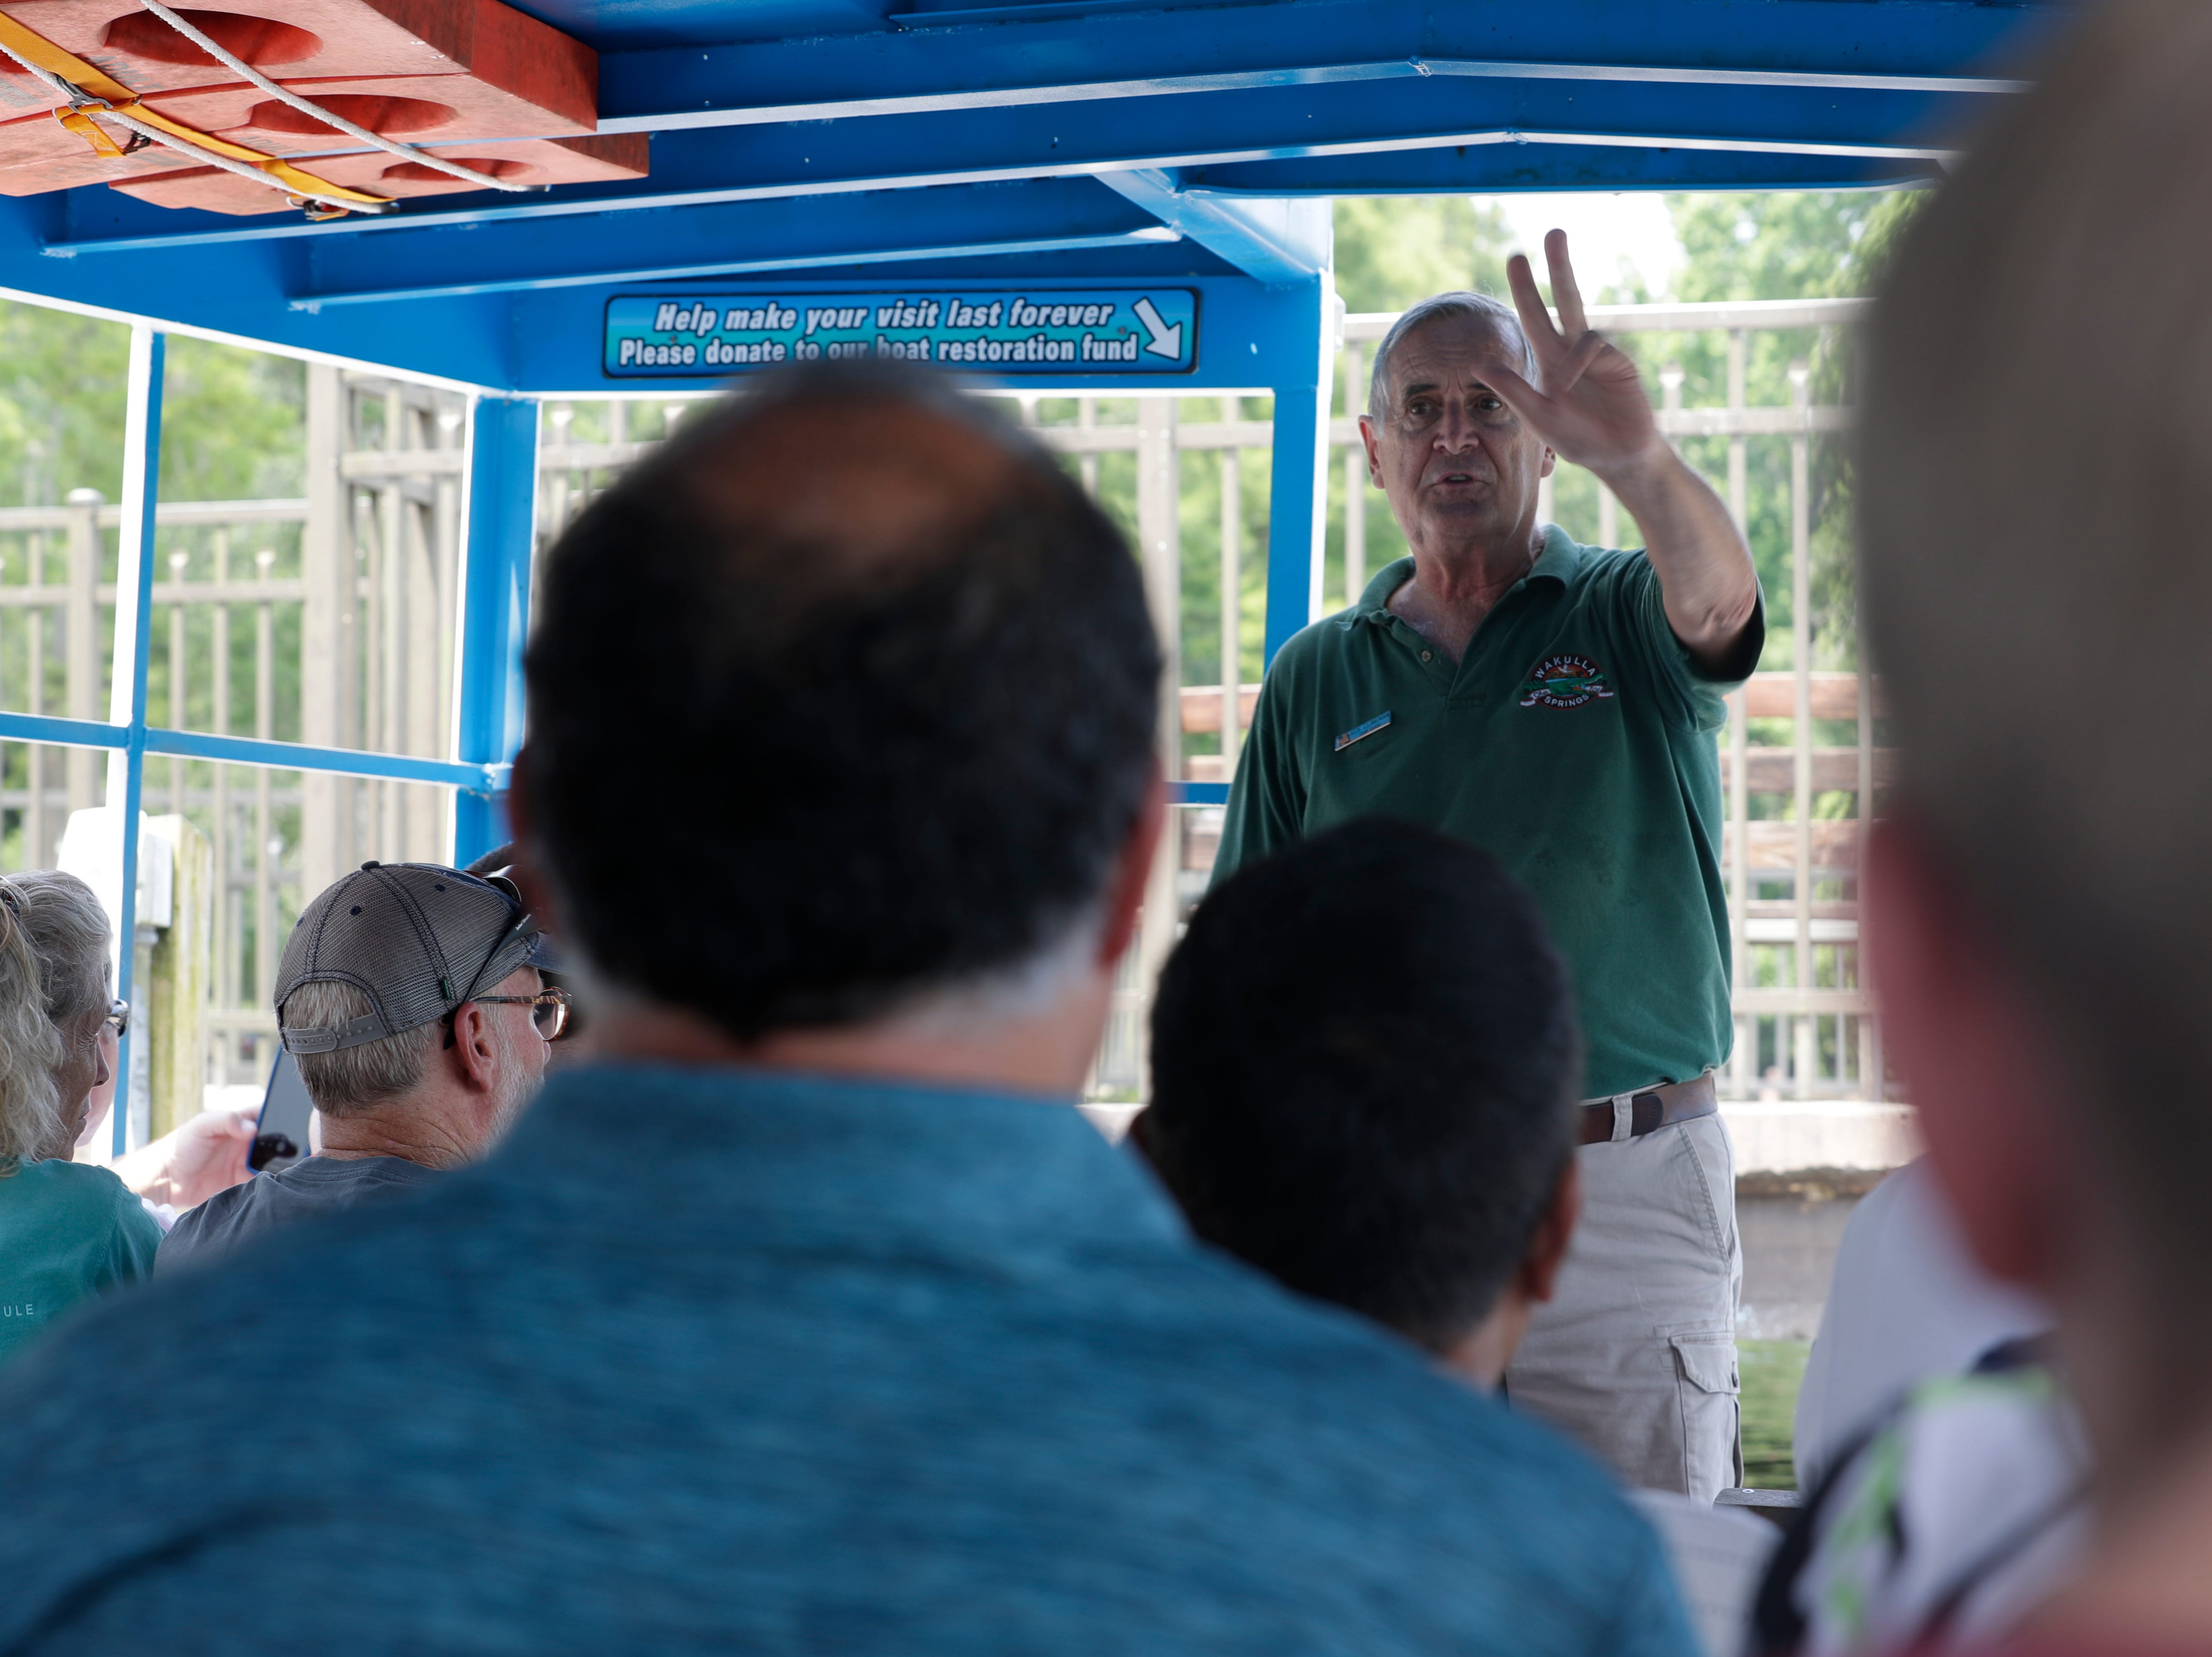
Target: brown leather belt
(1651,1110)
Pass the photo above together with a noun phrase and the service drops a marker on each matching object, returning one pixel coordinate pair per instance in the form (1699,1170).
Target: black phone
(280,1137)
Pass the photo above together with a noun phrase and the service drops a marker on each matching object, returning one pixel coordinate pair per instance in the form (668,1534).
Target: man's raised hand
(1589,406)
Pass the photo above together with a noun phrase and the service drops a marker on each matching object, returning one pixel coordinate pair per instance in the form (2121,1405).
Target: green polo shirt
(1574,742)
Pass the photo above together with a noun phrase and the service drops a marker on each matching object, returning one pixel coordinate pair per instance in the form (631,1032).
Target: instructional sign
(996,331)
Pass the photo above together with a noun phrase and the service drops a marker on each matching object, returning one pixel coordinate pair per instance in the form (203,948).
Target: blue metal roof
(1079,140)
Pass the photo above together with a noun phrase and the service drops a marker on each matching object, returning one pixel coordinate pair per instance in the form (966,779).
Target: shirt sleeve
(131,1246)
(1695,698)
(1267,801)
(182,1242)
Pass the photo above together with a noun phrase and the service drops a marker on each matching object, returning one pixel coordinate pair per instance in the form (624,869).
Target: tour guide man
(1555,704)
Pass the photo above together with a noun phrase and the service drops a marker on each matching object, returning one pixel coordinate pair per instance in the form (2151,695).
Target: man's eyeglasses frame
(549,1006)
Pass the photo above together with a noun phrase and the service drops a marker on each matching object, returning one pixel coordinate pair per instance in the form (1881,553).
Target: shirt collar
(1558,561)
(801,1155)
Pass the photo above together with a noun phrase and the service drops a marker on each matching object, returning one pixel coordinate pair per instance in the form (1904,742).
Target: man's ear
(1374,455)
(474,1053)
(1547,1249)
(1970,1048)
(1125,891)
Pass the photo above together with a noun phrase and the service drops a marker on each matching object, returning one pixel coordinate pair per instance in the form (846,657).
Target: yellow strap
(276,167)
(91,131)
(34,47)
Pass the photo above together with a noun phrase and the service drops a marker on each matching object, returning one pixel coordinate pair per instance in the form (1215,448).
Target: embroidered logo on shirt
(1565,681)
(1359,731)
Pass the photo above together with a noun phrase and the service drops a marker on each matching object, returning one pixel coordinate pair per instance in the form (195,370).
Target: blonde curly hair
(53,976)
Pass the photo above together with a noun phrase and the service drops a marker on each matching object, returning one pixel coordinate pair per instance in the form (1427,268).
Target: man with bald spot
(810,1315)
(1555,704)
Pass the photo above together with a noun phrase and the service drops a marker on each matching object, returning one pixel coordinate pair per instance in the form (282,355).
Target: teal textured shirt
(67,1230)
(717,1361)
(1573,741)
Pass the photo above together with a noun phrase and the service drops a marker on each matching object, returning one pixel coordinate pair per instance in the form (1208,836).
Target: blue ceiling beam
(1544,165)
(244,292)
(1277,241)
(1200,132)
(826,258)
(730,238)
(618,25)
(940,61)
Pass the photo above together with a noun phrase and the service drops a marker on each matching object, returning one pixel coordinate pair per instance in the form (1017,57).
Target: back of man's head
(374,968)
(1364,1061)
(867,666)
(2036,483)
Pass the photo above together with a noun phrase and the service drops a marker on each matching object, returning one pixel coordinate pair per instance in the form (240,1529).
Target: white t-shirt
(1907,1302)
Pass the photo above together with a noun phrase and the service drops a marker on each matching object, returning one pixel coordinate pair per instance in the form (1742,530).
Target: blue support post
(502,509)
(1295,518)
(126,706)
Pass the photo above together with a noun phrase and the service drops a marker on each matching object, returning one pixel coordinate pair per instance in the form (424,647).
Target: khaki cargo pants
(1635,1357)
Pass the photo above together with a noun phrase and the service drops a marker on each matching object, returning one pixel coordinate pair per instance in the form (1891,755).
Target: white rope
(406,152)
(243,169)
(61,89)
(75,98)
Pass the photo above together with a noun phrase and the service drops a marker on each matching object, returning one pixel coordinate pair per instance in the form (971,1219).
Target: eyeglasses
(119,1014)
(549,1010)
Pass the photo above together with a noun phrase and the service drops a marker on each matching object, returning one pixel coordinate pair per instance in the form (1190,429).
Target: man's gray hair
(1496,313)
(2035,485)
(352,1080)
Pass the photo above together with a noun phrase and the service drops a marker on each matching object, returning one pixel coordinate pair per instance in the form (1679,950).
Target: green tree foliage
(232,418)
(1780,246)
(61,404)
(234,426)
(1392,250)
(1785,245)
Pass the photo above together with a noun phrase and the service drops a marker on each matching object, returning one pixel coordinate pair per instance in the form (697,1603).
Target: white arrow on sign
(1165,341)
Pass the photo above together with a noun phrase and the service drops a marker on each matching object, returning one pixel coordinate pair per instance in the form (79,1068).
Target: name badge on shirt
(1359,731)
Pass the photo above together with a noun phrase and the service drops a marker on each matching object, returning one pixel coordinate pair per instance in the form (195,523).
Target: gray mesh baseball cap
(417,939)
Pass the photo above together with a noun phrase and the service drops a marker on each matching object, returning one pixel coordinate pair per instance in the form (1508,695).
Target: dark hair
(878,765)
(1364,1062)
